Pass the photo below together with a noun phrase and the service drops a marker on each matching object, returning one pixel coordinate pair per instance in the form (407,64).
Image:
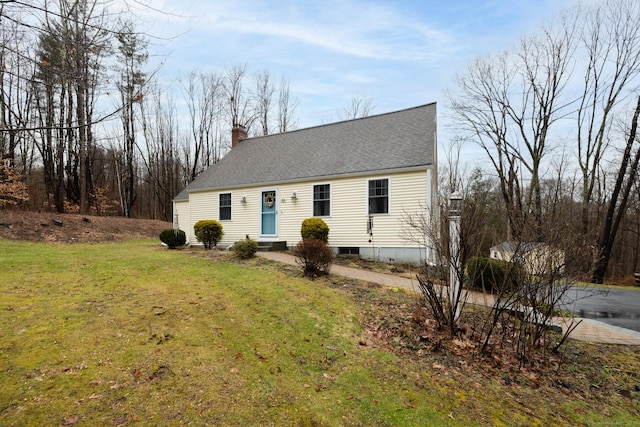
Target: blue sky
(399,53)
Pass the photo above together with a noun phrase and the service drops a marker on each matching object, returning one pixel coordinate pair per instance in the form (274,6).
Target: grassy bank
(131,333)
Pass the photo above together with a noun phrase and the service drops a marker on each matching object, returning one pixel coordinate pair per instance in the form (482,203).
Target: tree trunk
(627,173)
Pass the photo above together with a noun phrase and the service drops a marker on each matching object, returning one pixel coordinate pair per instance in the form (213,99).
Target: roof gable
(397,140)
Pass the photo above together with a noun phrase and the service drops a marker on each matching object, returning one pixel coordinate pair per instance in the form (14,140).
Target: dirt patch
(70,228)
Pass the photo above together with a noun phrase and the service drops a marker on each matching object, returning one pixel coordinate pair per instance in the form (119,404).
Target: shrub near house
(315,228)
(245,249)
(312,252)
(492,275)
(173,238)
(208,231)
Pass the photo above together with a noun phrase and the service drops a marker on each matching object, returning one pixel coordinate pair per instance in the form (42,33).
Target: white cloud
(344,27)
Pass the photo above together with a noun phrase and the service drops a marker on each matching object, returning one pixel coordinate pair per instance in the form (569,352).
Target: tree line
(92,130)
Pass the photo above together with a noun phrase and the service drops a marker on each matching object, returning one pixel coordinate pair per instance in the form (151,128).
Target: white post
(176,226)
(455,287)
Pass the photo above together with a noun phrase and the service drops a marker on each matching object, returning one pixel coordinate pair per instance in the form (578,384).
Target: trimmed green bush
(245,249)
(315,256)
(493,275)
(315,228)
(208,231)
(173,238)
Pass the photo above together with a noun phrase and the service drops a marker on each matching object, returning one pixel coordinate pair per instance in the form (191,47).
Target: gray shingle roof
(397,140)
(510,246)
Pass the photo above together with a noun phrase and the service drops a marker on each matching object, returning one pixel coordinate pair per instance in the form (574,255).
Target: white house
(360,176)
(537,258)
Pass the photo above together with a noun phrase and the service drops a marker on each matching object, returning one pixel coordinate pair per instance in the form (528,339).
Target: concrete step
(272,246)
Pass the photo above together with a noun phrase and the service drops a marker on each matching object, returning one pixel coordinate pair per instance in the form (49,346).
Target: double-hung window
(322,200)
(225,206)
(379,196)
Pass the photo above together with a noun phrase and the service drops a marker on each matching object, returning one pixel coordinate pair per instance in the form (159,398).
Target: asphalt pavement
(616,307)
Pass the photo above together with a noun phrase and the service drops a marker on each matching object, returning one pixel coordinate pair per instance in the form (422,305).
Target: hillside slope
(69,228)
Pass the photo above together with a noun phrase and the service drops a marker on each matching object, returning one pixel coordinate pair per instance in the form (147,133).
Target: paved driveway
(617,307)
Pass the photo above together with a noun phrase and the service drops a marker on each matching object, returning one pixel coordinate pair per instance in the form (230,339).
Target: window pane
(321,200)
(321,208)
(225,206)
(379,196)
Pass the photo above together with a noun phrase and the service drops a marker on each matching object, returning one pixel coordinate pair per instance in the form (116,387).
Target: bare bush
(315,256)
(526,303)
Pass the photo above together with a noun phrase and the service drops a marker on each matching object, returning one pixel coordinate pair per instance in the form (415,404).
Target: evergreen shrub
(315,228)
(245,249)
(173,238)
(493,275)
(209,232)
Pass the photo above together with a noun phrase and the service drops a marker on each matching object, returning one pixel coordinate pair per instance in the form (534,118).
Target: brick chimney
(238,133)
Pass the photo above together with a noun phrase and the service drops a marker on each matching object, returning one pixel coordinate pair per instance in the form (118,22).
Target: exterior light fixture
(455,204)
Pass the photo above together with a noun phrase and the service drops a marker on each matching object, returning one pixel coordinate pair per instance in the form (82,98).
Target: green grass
(134,334)
(115,333)
(604,286)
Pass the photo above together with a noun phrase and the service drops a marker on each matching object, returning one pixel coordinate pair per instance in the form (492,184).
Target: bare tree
(264,99)
(611,45)
(479,107)
(523,294)
(80,29)
(626,178)
(286,107)
(203,94)
(132,56)
(450,173)
(72,40)
(360,105)
(165,168)
(508,105)
(15,83)
(240,104)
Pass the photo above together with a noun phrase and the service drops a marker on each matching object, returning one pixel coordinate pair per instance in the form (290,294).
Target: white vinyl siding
(181,208)
(408,192)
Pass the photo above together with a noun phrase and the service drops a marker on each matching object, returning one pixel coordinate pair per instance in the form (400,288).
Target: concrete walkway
(588,330)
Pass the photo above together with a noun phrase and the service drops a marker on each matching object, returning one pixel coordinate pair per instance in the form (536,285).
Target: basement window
(348,251)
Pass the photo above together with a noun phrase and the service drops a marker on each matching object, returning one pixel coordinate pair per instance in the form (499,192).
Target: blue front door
(268,213)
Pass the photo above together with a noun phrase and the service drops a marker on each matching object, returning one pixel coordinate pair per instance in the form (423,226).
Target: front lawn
(134,334)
